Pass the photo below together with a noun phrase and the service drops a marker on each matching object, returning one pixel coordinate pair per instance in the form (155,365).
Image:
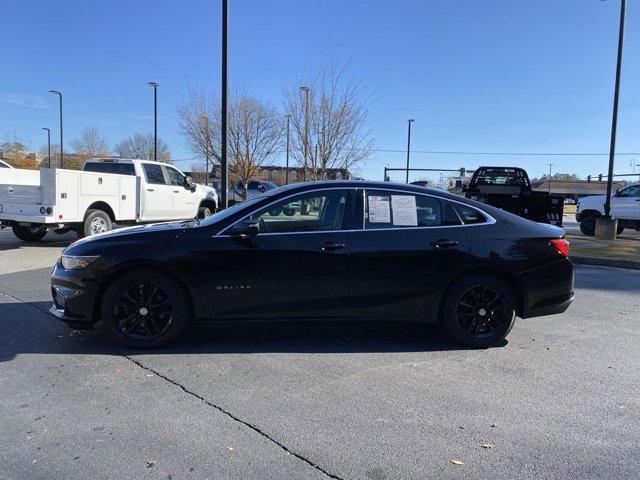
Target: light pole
(155,120)
(306,91)
(56,92)
(614,119)
(549,180)
(224,104)
(409,122)
(48,146)
(286,171)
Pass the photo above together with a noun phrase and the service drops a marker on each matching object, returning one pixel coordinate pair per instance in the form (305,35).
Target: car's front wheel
(144,309)
(479,311)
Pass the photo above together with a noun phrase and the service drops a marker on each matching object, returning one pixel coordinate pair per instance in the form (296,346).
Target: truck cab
(625,206)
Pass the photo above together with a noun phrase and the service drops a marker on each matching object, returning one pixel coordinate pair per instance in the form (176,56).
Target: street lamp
(286,171)
(306,91)
(614,119)
(155,120)
(224,104)
(56,92)
(409,122)
(48,145)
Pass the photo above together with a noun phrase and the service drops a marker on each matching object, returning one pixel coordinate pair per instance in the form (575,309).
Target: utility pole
(286,171)
(306,90)
(549,180)
(224,166)
(155,120)
(409,122)
(614,120)
(56,92)
(48,146)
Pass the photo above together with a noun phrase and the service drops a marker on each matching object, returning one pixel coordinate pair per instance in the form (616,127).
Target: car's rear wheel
(30,234)
(145,309)
(479,311)
(204,212)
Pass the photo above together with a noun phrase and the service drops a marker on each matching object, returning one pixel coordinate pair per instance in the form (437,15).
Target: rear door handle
(444,243)
(149,189)
(331,246)
(176,191)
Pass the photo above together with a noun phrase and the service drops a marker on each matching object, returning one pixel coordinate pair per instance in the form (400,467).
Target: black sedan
(320,251)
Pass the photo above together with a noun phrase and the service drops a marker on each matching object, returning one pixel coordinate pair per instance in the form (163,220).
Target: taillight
(561,245)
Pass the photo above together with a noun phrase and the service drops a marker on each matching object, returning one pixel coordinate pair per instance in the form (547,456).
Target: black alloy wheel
(145,309)
(479,311)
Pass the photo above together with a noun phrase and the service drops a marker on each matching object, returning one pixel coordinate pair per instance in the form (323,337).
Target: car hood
(136,230)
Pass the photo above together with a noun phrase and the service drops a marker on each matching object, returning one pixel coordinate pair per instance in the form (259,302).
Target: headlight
(70,262)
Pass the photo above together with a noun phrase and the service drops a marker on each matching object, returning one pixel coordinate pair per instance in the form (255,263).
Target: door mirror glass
(246,227)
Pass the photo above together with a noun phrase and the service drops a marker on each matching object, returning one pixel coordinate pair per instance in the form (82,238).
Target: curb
(605,262)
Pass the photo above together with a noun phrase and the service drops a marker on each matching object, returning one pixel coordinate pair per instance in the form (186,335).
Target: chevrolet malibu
(343,250)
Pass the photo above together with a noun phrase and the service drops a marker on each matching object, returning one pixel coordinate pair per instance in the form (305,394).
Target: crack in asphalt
(235,418)
(202,399)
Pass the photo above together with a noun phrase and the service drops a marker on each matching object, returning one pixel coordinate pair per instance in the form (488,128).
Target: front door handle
(176,191)
(444,243)
(331,246)
(149,189)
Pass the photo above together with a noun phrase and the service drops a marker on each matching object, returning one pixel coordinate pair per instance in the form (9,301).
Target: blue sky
(477,76)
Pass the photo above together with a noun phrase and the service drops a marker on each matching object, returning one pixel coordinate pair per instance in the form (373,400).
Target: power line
(532,154)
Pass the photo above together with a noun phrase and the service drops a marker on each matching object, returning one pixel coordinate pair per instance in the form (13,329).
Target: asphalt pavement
(561,399)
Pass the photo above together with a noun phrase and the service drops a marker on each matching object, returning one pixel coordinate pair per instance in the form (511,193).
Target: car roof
(371,184)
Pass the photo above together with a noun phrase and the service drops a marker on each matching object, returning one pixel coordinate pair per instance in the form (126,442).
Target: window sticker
(405,212)
(379,209)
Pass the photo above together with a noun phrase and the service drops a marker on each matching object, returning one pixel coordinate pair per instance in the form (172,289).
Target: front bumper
(73,293)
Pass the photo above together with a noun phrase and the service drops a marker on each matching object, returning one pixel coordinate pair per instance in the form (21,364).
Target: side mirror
(188,183)
(246,228)
(261,188)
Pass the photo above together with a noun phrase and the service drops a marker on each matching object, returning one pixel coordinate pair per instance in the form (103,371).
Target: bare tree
(328,122)
(90,144)
(140,146)
(15,151)
(254,132)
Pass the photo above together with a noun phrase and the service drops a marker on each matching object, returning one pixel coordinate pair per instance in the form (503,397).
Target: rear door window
(388,209)
(470,215)
(154,174)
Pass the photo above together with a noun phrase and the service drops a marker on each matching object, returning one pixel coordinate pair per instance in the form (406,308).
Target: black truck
(509,188)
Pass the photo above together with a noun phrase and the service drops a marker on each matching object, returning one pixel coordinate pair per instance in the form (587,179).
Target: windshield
(226,213)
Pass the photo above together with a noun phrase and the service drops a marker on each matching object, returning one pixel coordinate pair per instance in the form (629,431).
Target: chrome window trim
(490,219)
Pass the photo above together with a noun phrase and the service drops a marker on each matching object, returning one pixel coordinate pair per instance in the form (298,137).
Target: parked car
(365,251)
(509,188)
(254,188)
(107,191)
(569,201)
(4,164)
(625,206)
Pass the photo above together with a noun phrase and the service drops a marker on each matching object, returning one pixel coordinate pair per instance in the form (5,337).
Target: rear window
(470,215)
(116,168)
(154,174)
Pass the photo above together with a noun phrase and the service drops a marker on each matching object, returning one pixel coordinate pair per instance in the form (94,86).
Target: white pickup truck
(625,206)
(105,192)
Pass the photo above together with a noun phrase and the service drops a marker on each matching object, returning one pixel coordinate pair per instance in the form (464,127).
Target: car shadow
(9,242)
(28,328)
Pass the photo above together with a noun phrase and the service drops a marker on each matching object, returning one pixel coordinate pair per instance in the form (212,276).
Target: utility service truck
(107,191)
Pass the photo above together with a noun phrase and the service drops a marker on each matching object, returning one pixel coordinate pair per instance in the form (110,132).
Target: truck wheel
(30,234)
(289,212)
(95,222)
(275,212)
(588,225)
(204,212)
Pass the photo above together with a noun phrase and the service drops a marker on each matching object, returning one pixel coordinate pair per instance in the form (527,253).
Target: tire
(153,319)
(204,212)
(588,225)
(479,311)
(95,222)
(289,212)
(30,234)
(275,212)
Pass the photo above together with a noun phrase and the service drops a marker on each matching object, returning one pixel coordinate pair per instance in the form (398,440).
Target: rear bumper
(547,290)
